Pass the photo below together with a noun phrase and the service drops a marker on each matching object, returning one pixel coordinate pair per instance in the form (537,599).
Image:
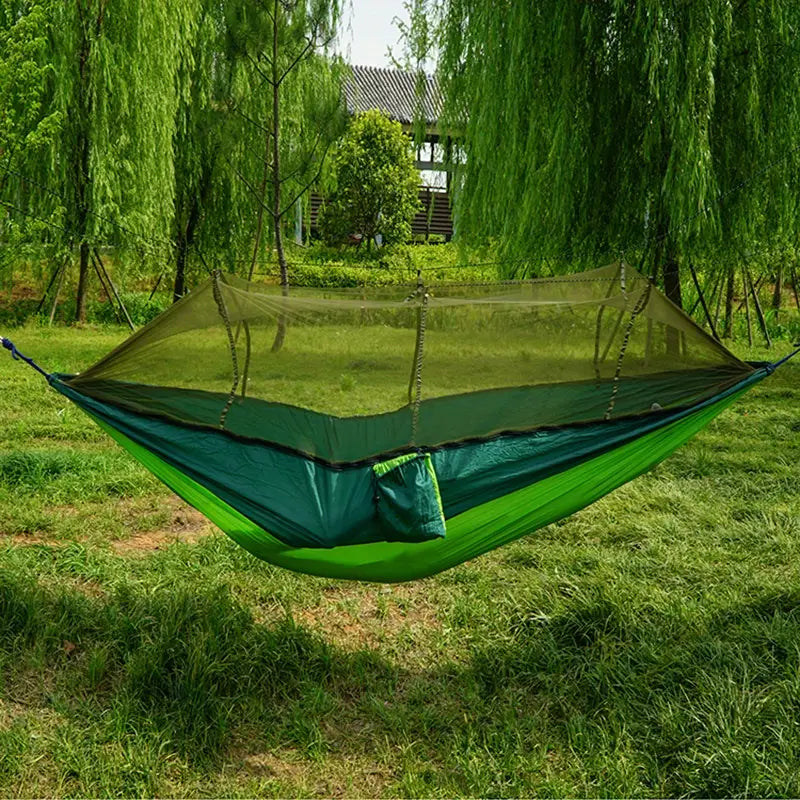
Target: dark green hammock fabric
(316,518)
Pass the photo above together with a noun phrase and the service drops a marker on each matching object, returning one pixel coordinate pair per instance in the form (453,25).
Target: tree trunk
(82,168)
(280,334)
(672,288)
(672,279)
(777,295)
(185,242)
(261,204)
(83,283)
(747,308)
(179,290)
(729,290)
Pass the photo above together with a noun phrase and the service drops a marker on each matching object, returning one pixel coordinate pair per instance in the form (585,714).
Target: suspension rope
(17,356)
(421,296)
(772,367)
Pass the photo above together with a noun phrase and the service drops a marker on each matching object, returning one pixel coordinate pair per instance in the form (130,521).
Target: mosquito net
(348,375)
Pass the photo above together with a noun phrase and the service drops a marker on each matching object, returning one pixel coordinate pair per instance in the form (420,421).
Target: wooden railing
(435,216)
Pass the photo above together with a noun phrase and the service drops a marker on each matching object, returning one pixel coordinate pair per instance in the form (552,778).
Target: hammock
(388,434)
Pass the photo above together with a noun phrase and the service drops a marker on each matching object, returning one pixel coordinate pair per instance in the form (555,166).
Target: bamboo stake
(59,286)
(114,290)
(56,273)
(794,288)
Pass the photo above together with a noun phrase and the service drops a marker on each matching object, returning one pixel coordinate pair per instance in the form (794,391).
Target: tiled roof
(394,92)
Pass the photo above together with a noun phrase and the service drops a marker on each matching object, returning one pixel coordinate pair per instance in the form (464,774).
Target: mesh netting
(363,372)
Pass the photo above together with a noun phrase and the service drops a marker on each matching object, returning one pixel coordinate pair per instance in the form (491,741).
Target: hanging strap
(17,356)
(772,367)
(415,383)
(641,303)
(223,312)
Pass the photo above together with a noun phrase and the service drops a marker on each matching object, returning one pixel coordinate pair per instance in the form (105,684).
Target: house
(398,95)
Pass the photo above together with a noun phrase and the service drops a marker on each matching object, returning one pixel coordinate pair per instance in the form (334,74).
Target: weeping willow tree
(108,174)
(262,109)
(212,209)
(27,127)
(664,131)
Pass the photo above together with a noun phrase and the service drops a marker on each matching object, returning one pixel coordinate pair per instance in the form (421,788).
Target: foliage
(664,131)
(283,47)
(140,306)
(375,184)
(112,79)
(24,75)
(224,139)
(26,126)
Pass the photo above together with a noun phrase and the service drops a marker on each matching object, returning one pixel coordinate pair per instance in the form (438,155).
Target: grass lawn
(647,646)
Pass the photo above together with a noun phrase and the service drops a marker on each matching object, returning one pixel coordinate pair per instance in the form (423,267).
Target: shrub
(376,184)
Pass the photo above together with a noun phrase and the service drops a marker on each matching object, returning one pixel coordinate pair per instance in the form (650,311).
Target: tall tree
(27,127)
(644,127)
(284,43)
(212,208)
(375,184)
(114,77)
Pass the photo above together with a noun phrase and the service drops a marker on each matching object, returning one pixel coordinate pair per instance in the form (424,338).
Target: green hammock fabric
(399,432)
(469,534)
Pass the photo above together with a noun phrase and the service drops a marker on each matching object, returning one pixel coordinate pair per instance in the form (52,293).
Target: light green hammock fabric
(399,432)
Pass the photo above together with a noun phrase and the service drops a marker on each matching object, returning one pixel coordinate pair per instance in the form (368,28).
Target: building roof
(394,92)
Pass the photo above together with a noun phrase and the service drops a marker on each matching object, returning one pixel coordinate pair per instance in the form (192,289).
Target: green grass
(647,646)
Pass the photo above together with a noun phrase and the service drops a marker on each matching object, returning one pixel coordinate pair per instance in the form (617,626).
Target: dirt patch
(184,524)
(369,616)
(348,777)
(29,540)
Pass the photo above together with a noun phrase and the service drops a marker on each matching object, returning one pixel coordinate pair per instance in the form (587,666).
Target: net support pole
(223,312)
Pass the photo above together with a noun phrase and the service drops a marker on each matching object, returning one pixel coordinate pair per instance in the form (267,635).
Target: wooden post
(703,301)
(761,321)
(747,308)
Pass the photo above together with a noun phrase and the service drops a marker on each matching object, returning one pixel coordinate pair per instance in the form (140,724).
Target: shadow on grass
(610,696)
